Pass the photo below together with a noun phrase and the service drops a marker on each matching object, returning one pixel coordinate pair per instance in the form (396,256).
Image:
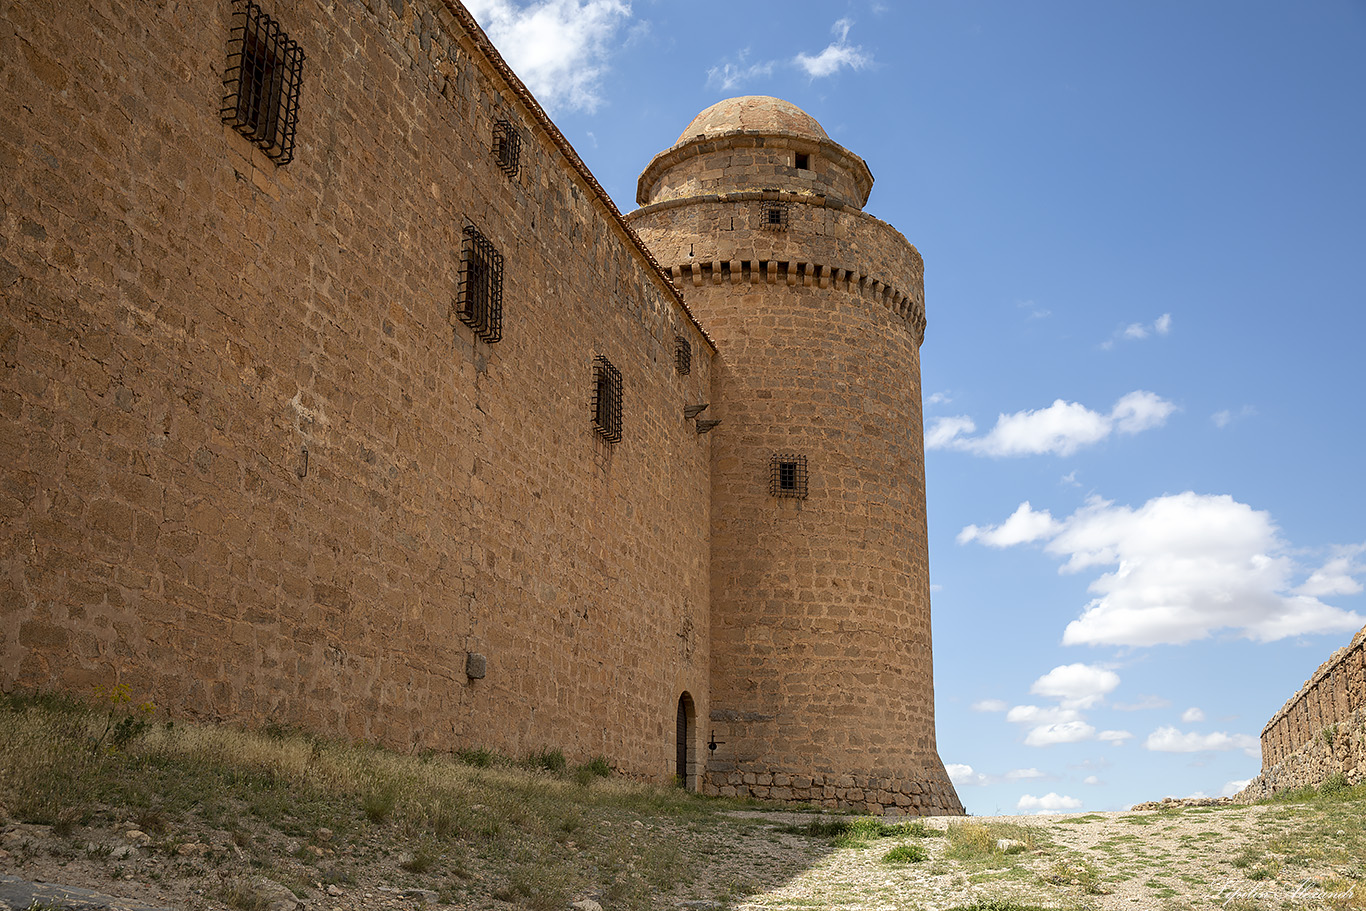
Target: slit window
(787,476)
(773,216)
(682,355)
(262,82)
(507,147)
(606,400)
(479,303)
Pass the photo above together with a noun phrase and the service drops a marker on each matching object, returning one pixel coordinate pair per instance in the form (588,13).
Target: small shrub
(598,767)
(905,854)
(1329,734)
(1335,785)
(548,760)
(379,804)
(478,757)
(420,861)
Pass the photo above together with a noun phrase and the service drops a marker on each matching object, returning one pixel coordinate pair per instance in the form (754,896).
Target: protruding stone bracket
(692,411)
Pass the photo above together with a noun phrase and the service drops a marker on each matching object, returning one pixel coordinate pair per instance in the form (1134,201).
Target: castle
(338,393)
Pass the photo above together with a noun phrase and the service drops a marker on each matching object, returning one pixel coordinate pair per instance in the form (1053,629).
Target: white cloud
(1140,331)
(1060,429)
(1023,526)
(559,48)
(944,431)
(989,705)
(839,53)
(1168,739)
(1062,732)
(1192,715)
(729,75)
(1144,703)
(938,398)
(1118,738)
(1049,714)
(1076,686)
(1180,568)
(1049,801)
(1223,418)
(963,775)
(1021,774)
(1091,779)
(1336,576)
(1233,787)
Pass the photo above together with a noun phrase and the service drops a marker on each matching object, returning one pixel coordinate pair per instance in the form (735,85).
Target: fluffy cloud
(1033,714)
(1139,331)
(559,48)
(1118,738)
(1091,779)
(1049,801)
(989,705)
(962,775)
(1021,774)
(1233,787)
(1336,576)
(1023,526)
(1060,429)
(1076,686)
(838,54)
(1063,732)
(1180,568)
(1168,739)
(1192,715)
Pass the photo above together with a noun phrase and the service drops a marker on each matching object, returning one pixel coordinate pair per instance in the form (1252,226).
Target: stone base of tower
(924,795)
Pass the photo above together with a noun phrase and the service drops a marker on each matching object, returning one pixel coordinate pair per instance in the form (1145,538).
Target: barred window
(606,400)
(480,301)
(787,476)
(507,147)
(682,355)
(773,216)
(262,82)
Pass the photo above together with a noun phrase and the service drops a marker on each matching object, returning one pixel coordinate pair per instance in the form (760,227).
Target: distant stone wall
(1321,731)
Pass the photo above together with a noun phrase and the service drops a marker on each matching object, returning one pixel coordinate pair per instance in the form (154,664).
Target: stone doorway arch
(685,757)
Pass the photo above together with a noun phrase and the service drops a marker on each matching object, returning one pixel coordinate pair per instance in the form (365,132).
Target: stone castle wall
(1321,731)
(822,681)
(250,463)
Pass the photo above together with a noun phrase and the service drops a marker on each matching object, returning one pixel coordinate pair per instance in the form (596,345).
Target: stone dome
(754,114)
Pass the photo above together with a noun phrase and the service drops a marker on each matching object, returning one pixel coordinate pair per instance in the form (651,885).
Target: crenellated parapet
(909,307)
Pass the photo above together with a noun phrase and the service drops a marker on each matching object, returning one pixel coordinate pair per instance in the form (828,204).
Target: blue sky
(1144,226)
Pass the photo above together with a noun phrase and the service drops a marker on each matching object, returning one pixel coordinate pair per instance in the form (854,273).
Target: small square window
(682,355)
(262,81)
(773,216)
(480,301)
(606,400)
(507,147)
(787,476)
(803,161)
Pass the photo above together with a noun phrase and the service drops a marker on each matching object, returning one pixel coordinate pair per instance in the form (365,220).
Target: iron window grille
(262,82)
(773,216)
(606,400)
(480,301)
(787,476)
(682,355)
(507,147)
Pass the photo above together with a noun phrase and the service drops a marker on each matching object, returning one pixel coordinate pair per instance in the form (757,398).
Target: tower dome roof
(753,114)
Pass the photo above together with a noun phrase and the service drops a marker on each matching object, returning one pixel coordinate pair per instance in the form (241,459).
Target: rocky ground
(1170,858)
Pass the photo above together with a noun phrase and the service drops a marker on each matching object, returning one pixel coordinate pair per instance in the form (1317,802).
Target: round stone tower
(821,678)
